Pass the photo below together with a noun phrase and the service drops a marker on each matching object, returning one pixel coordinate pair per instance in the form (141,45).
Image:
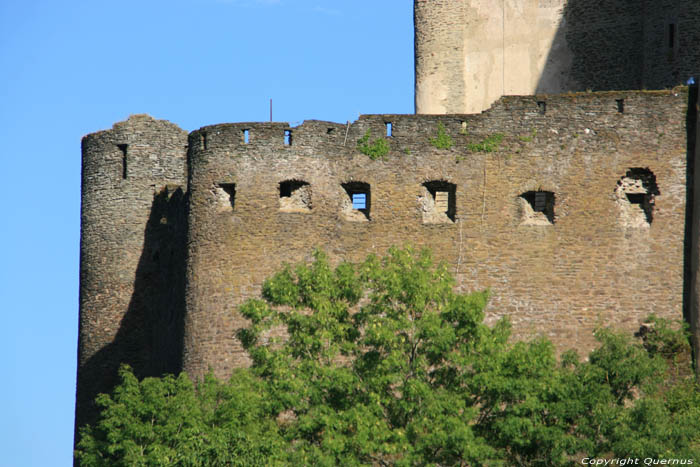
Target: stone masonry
(468,53)
(169,250)
(576,210)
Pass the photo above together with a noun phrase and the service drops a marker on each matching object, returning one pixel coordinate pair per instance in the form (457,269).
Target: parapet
(510,115)
(139,148)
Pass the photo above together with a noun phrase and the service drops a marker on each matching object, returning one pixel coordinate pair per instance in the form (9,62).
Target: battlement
(513,117)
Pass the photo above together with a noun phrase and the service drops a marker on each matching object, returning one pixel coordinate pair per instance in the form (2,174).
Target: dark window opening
(442,202)
(204,140)
(295,196)
(542,106)
(230,190)
(620,105)
(330,131)
(287,137)
(671,35)
(541,201)
(359,197)
(636,198)
(388,128)
(246,136)
(640,189)
(123,149)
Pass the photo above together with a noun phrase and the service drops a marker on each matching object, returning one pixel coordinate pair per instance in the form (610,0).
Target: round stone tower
(132,221)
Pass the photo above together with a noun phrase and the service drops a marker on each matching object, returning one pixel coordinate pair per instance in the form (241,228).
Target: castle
(575,209)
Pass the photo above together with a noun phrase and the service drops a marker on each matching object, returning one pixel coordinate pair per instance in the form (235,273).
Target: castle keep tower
(130,261)
(468,53)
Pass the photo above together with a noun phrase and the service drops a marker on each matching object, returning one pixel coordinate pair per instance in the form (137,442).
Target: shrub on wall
(443,140)
(376,149)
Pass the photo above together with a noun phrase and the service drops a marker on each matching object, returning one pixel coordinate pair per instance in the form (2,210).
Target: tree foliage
(383,363)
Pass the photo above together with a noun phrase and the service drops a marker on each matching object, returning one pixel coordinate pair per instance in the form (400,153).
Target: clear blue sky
(75,67)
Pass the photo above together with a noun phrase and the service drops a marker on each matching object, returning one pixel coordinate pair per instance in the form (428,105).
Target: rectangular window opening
(537,202)
(358,203)
(123,149)
(330,131)
(287,137)
(542,105)
(204,140)
(620,105)
(438,202)
(228,194)
(246,136)
(388,128)
(671,35)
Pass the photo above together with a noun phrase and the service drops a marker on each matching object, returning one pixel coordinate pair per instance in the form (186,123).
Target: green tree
(171,421)
(383,363)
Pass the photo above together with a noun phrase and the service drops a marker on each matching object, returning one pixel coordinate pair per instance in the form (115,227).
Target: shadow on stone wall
(150,336)
(691,121)
(605,47)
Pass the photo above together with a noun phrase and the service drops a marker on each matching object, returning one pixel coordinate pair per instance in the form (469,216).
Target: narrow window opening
(542,106)
(295,196)
(246,136)
(204,141)
(287,137)
(123,149)
(635,195)
(671,35)
(463,129)
(438,202)
(537,208)
(356,207)
(388,128)
(620,105)
(226,196)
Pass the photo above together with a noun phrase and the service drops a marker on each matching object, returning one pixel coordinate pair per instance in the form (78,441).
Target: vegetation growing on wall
(385,364)
(376,149)
(489,144)
(443,140)
(530,137)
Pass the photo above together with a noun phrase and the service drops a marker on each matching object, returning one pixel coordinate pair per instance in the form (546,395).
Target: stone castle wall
(131,244)
(599,260)
(469,53)
(579,214)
